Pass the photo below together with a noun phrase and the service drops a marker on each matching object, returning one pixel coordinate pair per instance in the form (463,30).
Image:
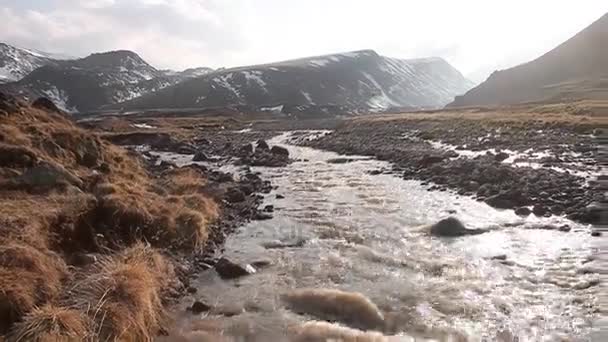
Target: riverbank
(539,165)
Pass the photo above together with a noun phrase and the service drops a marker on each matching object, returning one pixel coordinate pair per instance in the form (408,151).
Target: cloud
(474,35)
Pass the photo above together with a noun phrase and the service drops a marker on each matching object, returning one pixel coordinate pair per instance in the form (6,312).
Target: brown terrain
(98,241)
(577,69)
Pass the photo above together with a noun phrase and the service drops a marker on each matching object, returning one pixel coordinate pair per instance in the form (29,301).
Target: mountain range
(88,83)
(576,69)
(343,83)
(353,82)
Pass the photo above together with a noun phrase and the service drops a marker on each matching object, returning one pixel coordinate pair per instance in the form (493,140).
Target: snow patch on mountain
(59,98)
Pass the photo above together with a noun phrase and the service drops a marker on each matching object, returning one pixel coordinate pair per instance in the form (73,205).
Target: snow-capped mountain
(97,80)
(16,63)
(353,82)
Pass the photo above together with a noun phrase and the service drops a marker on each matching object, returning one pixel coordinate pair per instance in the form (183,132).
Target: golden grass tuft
(123,294)
(29,277)
(51,324)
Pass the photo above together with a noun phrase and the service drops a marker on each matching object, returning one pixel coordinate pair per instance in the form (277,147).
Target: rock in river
(452,227)
(229,270)
(279,150)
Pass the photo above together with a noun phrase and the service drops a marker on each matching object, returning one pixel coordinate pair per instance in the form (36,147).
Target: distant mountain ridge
(95,81)
(16,63)
(576,69)
(352,82)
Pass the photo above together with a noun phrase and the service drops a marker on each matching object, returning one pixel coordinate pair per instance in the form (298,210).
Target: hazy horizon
(474,36)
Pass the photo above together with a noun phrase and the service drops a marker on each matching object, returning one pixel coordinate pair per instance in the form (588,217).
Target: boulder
(523,211)
(234,196)
(246,149)
(452,227)
(46,105)
(230,270)
(501,156)
(200,156)
(539,210)
(278,150)
(47,175)
(199,307)
(262,145)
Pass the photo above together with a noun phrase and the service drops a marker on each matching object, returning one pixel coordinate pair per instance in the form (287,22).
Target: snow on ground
(255,76)
(144,125)
(319,62)
(308,97)
(59,98)
(224,81)
(276,109)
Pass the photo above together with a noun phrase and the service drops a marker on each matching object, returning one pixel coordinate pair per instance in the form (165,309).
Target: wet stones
(452,227)
(501,156)
(539,210)
(246,149)
(428,160)
(278,150)
(199,307)
(262,145)
(200,156)
(523,211)
(227,269)
(235,195)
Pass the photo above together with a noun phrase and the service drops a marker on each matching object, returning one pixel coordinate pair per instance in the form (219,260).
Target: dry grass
(52,324)
(583,113)
(123,294)
(115,205)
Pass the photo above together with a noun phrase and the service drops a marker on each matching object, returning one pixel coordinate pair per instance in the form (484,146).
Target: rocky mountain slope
(97,80)
(360,81)
(16,63)
(576,69)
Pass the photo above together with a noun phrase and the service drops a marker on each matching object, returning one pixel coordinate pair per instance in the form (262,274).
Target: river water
(339,227)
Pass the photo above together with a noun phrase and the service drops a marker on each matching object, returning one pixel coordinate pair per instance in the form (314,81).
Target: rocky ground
(238,191)
(534,167)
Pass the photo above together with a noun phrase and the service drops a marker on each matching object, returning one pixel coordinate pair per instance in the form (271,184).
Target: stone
(279,151)
(200,156)
(262,145)
(430,160)
(452,227)
(246,149)
(47,175)
(230,270)
(45,104)
(501,156)
(523,211)
(235,196)
(199,307)
(539,210)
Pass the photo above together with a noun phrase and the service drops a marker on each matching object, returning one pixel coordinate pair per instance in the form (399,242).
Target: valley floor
(284,228)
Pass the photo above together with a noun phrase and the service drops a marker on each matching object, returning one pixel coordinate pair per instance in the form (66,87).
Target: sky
(475,36)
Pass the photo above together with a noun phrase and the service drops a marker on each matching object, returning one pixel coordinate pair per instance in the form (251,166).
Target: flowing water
(340,227)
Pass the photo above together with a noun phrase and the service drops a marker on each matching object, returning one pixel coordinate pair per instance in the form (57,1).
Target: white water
(363,234)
